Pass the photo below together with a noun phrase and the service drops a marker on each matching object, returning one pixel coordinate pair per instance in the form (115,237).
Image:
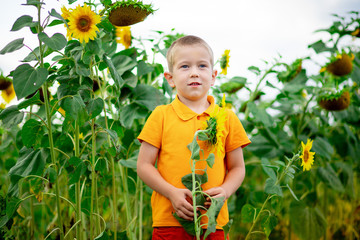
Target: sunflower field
(68,144)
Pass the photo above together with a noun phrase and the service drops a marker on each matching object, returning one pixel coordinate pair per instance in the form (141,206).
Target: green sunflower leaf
(272,188)
(248,213)
(27,80)
(189,226)
(34,3)
(143,68)
(227,227)
(95,107)
(212,214)
(307,222)
(23,21)
(30,162)
(55,42)
(13,46)
(74,106)
(148,96)
(268,223)
(194,149)
(330,178)
(276,203)
(11,116)
(322,147)
(211,160)
(260,114)
(32,133)
(188,183)
(114,73)
(79,169)
(57,15)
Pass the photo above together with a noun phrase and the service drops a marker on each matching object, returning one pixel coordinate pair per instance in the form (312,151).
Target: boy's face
(192,73)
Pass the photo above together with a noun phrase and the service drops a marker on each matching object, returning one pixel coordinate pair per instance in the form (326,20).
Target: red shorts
(179,233)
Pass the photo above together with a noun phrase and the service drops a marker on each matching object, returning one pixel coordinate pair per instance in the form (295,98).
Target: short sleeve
(237,136)
(153,128)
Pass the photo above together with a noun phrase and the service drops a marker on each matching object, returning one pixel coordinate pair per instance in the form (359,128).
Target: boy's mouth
(194,84)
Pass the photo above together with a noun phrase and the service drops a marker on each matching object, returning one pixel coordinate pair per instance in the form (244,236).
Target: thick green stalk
(77,186)
(51,141)
(113,192)
(98,226)
(93,178)
(126,195)
(32,221)
(197,227)
(53,160)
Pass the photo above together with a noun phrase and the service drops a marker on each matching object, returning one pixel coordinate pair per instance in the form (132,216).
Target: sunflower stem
(51,141)
(77,185)
(93,178)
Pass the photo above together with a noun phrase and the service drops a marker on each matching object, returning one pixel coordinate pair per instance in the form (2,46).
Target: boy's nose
(194,73)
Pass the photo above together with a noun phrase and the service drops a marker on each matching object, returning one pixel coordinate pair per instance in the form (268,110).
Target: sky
(254,31)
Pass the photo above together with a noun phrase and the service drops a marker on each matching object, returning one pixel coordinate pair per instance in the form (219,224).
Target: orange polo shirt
(170,128)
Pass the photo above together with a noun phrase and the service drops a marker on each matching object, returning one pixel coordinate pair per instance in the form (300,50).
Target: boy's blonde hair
(187,41)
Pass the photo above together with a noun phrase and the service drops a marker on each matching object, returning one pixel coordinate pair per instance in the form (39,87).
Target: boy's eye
(202,66)
(184,66)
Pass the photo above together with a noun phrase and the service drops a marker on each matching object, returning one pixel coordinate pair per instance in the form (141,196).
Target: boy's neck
(198,106)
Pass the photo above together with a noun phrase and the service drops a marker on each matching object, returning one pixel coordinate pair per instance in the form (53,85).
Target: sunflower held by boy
(214,127)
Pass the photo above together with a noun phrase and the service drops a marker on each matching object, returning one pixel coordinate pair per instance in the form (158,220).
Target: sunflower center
(84,24)
(306,156)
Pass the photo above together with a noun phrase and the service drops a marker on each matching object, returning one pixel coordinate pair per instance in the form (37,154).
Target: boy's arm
(234,177)
(151,176)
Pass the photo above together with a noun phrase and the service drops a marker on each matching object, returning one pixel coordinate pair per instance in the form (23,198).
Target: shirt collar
(185,113)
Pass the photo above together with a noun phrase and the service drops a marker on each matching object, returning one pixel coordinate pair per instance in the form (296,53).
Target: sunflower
(341,65)
(123,36)
(129,12)
(224,62)
(215,126)
(82,23)
(307,156)
(335,101)
(8,94)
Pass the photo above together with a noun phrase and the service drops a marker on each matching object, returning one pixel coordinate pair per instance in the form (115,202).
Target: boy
(168,131)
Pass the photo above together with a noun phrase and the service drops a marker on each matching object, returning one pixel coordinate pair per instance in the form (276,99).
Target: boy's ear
(213,77)
(169,79)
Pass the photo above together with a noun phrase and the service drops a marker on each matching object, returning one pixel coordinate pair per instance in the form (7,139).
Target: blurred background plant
(68,146)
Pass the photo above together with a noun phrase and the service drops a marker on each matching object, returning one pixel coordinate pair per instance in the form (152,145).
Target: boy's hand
(215,192)
(182,206)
